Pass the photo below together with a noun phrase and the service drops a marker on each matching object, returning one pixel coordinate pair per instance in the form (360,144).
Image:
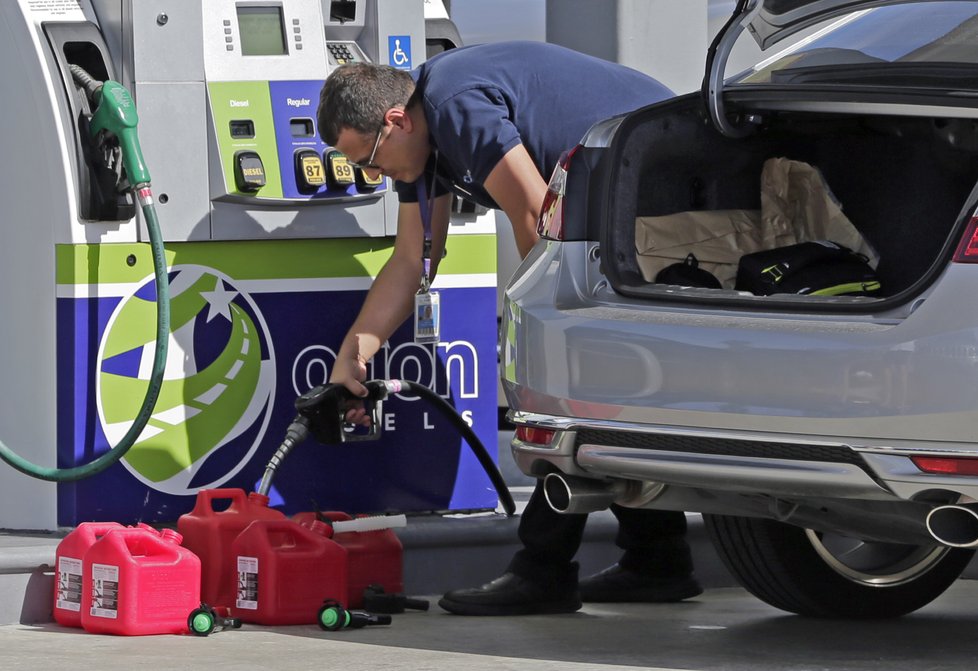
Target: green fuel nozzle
(116,114)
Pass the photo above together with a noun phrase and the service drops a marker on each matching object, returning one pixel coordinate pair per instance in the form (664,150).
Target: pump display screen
(262,31)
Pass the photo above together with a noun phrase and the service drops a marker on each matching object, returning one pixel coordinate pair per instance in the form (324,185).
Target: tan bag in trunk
(796,206)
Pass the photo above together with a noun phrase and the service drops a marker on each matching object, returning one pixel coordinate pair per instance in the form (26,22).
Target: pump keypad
(341,54)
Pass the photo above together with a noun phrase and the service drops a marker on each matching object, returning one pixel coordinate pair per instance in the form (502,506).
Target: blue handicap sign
(399,51)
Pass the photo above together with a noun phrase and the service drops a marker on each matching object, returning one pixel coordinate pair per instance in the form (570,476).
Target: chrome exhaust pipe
(954,525)
(568,494)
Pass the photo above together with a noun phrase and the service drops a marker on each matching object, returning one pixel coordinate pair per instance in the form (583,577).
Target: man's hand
(350,371)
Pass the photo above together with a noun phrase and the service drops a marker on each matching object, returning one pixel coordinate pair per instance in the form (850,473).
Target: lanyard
(425,206)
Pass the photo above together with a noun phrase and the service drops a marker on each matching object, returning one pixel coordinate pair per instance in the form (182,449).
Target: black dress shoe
(511,594)
(618,585)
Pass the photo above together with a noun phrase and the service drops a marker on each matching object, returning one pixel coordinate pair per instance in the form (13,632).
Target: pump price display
(312,170)
(341,172)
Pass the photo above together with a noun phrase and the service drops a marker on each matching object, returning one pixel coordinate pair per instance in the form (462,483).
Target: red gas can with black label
(285,572)
(208,533)
(138,582)
(373,557)
(68,562)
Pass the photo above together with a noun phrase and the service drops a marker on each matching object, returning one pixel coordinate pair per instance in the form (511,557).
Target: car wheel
(829,575)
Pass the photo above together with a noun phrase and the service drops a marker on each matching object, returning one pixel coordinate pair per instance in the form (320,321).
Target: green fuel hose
(117,114)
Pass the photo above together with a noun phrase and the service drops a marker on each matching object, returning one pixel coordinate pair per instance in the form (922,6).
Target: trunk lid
(773,23)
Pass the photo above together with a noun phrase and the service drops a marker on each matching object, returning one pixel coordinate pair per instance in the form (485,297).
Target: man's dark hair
(358,95)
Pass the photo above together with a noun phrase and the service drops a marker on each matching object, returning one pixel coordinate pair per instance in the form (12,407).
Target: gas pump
(271,241)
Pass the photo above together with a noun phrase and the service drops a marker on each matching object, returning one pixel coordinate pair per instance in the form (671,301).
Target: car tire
(832,576)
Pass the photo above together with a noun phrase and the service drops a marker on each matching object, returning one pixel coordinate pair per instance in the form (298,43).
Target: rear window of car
(932,45)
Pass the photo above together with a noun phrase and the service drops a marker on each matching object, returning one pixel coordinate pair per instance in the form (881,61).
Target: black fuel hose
(321,413)
(488,465)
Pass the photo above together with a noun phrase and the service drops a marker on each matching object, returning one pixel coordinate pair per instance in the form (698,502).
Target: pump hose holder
(115,113)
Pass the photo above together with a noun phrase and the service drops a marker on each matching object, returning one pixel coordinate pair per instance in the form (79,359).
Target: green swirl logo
(218,382)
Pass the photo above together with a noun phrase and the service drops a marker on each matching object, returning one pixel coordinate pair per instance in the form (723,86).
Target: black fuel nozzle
(322,407)
(325,407)
(322,412)
(376,600)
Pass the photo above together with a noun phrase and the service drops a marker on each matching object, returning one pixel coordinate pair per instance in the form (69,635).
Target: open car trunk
(904,183)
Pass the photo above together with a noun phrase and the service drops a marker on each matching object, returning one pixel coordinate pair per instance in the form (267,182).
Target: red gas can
(69,565)
(285,572)
(373,557)
(209,534)
(139,582)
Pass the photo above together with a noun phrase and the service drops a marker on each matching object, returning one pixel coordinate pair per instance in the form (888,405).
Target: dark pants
(654,541)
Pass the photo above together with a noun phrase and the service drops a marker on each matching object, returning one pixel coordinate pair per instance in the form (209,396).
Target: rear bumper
(783,466)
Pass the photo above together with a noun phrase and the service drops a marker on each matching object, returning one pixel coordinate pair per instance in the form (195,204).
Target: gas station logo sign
(218,383)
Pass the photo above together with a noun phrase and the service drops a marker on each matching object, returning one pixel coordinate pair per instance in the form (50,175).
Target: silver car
(828,432)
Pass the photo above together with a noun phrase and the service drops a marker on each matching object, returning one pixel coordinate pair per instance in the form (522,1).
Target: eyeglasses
(369,164)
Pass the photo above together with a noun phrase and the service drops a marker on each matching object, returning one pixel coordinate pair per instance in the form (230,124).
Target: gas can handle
(298,535)
(95,530)
(206,498)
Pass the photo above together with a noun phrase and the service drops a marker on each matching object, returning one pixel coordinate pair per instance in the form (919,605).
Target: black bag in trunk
(687,274)
(820,268)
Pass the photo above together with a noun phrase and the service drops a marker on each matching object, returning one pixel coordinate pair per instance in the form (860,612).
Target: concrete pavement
(725,628)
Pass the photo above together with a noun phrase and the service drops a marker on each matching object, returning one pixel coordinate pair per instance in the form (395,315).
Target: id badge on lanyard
(427,307)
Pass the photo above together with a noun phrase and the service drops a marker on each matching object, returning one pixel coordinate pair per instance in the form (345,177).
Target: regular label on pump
(247,583)
(69,583)
(105,591)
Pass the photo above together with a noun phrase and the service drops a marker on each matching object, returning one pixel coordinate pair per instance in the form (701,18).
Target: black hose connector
(92,86)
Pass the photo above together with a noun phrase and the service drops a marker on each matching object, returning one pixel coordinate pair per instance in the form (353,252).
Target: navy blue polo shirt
(481,101)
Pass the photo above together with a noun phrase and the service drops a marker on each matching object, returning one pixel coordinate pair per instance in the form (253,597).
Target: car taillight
(947,465)
(531,434)
(550,225)
(967,251)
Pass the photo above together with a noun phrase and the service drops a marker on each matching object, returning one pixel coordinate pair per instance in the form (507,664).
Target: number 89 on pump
(340,170)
